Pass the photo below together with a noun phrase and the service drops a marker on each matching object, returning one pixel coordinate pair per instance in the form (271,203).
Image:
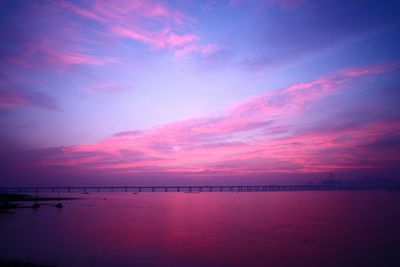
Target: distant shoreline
(10,201)
(24,197)
(16,263)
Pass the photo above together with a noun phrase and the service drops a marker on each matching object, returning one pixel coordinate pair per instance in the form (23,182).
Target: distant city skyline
(126,92)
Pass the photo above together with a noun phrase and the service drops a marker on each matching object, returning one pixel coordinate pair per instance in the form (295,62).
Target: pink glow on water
(209,229)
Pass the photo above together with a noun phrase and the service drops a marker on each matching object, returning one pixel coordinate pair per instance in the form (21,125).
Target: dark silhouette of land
(9,201)
(15,263)
(4,197)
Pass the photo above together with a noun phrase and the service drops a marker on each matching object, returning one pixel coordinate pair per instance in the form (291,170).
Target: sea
(246,229)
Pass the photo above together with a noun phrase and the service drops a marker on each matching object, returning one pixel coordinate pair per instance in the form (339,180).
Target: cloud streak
(269,133)
(130,20)
(84,34)
(10,99)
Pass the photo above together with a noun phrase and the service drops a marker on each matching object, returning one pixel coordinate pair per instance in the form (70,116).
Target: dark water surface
(209,229)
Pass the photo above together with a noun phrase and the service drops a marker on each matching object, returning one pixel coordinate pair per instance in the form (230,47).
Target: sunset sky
(166,92)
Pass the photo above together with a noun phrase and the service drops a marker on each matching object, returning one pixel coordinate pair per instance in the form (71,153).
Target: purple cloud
(10,99)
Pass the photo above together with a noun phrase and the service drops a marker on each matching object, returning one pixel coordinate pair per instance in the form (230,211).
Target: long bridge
(189,188)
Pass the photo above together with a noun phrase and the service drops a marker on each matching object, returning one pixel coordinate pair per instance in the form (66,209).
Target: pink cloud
(81,11)
(204,50)
(266,133)
(69,42)
(110,87)
(180,40)
(380,68)
(45,51)
(75,58)
(126,19)
(125,11)
(180,44)
(162,39)
(135,35)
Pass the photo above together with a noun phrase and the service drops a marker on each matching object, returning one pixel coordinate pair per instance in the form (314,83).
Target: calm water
(209,229)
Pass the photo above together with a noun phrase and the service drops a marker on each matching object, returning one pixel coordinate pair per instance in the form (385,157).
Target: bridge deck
(204,188)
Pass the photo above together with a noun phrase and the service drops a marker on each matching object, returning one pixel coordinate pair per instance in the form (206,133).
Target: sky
(193,92)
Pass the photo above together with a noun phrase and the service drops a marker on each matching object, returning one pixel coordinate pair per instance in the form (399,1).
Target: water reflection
(209,229)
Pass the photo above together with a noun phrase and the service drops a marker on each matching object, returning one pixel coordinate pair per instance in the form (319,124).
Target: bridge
(188,189)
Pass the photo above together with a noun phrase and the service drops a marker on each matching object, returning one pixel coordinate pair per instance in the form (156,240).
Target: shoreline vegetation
(10,201)
(16,263)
